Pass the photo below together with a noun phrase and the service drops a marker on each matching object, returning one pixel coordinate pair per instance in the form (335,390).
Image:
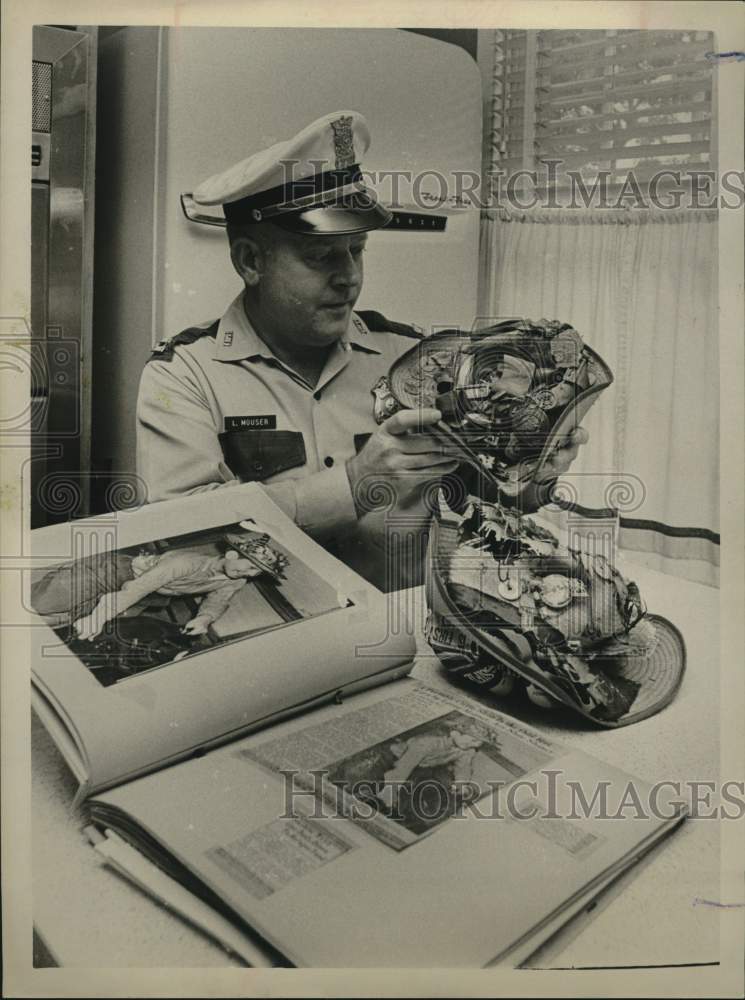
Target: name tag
(251,423)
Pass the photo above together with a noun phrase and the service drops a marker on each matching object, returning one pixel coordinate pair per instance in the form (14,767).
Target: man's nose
(348,270)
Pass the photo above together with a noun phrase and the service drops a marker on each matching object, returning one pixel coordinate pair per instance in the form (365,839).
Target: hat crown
(335,141)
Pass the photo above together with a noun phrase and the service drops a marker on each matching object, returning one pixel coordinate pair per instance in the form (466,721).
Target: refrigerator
(62,206)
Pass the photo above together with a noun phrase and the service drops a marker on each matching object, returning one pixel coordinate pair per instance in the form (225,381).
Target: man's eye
(321,257)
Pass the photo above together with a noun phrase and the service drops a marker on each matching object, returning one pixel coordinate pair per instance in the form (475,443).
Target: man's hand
(401,454)
(564,455)
(90,626)
(533,486)
(197,626)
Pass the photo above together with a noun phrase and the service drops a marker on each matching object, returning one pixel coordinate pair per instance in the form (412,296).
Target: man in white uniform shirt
(279,389)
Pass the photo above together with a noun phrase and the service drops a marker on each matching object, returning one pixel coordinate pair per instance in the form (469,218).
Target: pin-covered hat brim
(642,669)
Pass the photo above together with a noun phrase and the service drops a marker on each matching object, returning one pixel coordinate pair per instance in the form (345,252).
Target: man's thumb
(411,420)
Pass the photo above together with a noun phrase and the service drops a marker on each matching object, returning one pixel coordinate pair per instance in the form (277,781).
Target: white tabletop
(658,913)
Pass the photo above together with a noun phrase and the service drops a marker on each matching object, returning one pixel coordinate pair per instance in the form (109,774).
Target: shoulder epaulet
(164,350)
(377,323)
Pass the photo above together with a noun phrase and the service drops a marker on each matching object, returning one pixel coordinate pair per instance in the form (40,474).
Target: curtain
(641,289)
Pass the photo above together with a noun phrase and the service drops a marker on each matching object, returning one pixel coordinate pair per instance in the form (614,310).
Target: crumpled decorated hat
(254,546)
(508,393)
(511,606)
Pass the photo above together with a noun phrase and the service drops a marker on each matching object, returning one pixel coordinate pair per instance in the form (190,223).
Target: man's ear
(247,255)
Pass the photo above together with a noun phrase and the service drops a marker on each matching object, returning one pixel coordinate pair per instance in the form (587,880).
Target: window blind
(612,101)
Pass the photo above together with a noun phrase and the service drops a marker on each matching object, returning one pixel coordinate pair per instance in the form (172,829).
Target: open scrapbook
(235,706)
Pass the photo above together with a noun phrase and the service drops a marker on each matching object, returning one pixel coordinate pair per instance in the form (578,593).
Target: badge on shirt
(254,422)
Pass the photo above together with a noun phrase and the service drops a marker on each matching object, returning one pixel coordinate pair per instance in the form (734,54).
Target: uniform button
(258,467)
(317,395)
(328,461)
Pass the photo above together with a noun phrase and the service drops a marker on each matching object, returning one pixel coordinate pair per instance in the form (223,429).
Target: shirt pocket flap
(256,455)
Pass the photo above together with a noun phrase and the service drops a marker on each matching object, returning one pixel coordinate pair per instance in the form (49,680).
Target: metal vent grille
(41,97)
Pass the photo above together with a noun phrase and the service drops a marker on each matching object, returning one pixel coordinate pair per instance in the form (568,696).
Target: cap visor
(334,220)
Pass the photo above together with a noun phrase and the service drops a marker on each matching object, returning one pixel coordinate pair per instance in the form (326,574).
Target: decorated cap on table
(508,393)
(309,184)
(512,608)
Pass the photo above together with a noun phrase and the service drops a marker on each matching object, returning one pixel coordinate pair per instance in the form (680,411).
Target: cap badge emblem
(343,142)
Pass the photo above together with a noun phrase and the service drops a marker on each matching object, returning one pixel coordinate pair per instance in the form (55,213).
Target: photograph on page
(402,767)
(126,611)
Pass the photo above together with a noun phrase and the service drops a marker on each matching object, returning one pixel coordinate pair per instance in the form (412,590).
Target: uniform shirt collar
(358,336)
(237,340)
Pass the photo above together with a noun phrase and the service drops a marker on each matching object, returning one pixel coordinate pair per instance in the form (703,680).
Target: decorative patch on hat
(343,142)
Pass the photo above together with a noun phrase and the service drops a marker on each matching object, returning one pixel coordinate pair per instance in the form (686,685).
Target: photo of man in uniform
(92,591)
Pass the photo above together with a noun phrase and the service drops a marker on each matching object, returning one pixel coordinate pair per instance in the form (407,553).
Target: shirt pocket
(256,455)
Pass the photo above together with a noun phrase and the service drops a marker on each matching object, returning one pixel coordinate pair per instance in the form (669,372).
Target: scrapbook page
(211,601)
(305,834)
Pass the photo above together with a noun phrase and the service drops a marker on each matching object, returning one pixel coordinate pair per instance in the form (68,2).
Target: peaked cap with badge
(308,184)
